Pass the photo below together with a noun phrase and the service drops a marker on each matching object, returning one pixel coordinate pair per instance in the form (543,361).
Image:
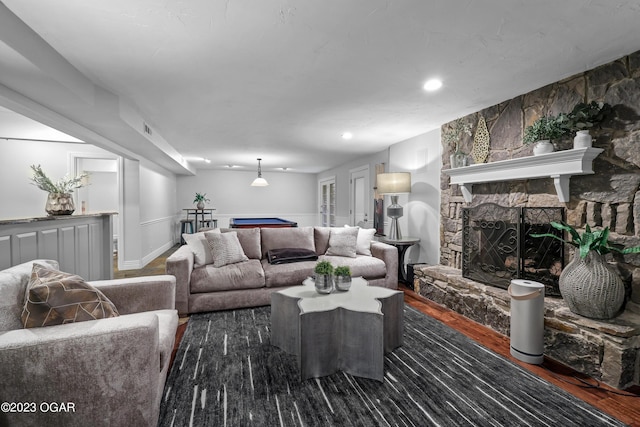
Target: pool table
(261,222)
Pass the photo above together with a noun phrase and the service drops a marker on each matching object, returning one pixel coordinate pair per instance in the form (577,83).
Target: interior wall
(421,156)
(289,195)
(20,198)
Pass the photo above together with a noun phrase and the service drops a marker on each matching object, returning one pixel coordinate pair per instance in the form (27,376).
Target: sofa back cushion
(249,240)
(13,283)
(294,237)
(321,237)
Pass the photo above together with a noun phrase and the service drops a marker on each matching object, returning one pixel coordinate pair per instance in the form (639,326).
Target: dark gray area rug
(226,373)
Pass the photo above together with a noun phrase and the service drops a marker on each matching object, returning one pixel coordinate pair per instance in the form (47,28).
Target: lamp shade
(394,183)
(259,182)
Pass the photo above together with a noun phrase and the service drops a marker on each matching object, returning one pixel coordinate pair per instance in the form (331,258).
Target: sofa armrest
(180,265)
(138,294)
(107,371)
(388,254)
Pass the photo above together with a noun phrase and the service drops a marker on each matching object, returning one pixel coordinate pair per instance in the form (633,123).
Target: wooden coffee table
(348,331)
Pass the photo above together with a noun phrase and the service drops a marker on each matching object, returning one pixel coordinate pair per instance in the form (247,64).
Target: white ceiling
(233,80)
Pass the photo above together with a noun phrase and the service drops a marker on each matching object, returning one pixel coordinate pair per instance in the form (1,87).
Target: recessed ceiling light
(432,84)
(347,135)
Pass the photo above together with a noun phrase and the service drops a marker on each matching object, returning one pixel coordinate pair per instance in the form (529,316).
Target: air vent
(147,129)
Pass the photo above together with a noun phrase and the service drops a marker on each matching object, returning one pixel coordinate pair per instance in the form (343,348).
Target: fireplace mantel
(559,165)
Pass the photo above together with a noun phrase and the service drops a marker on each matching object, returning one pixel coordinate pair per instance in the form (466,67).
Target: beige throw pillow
(225,248)
(343,242)
(54,298)
(199,245)
(365,237)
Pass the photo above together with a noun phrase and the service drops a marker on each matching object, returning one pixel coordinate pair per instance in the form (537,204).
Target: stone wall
(607,351)
(610,197)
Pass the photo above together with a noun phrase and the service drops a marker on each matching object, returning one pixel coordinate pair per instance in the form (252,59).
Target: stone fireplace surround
(607,350)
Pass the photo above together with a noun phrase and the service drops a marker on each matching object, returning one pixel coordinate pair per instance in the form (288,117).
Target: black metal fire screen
(497,245)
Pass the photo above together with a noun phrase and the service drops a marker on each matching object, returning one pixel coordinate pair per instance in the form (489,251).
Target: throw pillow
(198,244)
(365,237)
(225,248)
(343,242)
(54,298)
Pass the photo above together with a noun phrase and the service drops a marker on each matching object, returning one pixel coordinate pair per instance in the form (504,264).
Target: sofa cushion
(291,274)
(249,240)
(321,239)
(343,242)
(199,245)
(365,237)
(55,298)
(225,248)
(362,265)
(242,275)
(278,238)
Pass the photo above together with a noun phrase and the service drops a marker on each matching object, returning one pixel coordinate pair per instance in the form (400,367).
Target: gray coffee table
(348,331)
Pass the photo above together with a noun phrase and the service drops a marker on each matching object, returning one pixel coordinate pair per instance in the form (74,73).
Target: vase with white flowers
(60,199)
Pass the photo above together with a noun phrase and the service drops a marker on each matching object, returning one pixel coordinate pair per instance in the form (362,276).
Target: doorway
(359,197)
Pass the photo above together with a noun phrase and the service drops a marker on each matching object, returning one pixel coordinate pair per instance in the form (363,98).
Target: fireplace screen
(497,245)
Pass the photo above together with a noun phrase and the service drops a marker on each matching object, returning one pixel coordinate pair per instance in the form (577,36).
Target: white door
(360,197)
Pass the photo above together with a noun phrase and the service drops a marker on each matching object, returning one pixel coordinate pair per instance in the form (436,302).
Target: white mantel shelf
(559,165)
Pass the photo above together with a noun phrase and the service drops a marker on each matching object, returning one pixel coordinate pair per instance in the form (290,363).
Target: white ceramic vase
(582,139)
(543,147)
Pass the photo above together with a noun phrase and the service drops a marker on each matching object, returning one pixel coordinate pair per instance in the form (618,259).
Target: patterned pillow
(54,298)
(225,248)
(343,242)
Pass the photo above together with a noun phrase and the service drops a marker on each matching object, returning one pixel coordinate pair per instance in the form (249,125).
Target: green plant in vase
(324,277)
(201,199)
(342,278)
(588,284)
(451,137)
(59,200)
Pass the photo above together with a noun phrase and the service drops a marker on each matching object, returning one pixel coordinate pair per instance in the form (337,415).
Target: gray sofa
(107,372)
(249,283)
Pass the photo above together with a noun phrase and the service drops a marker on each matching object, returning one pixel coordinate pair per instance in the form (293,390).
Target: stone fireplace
(608,197)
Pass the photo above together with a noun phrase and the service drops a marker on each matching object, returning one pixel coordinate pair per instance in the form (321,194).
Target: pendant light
(259,181)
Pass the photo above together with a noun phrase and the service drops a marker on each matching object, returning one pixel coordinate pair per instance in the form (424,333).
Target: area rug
(226,373)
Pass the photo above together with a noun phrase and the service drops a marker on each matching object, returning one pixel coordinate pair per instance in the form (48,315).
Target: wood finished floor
(607,399)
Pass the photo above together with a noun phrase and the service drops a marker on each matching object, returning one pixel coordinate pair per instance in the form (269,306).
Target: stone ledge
(606,350)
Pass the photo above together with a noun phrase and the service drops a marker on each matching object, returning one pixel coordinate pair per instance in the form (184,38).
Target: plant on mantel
(452,136)
(545,128)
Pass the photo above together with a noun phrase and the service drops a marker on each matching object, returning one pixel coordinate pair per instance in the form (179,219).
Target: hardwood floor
(609,400)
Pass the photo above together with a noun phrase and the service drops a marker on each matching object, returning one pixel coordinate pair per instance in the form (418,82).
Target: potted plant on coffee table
(324,277)
(342,278)
(588,284)
(543,131)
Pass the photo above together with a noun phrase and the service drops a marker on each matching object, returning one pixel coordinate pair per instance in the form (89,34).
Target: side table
(402,245)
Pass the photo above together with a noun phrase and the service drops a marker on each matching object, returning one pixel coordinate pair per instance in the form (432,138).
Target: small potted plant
(543,131)
(324,277)
(588,284)
(342,278)
(201,199)
(59,200)
(452,137)
(584,117)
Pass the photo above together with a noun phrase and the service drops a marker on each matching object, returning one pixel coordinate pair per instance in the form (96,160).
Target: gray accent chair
(107,372)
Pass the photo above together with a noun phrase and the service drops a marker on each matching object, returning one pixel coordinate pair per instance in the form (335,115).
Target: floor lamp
(393,184)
